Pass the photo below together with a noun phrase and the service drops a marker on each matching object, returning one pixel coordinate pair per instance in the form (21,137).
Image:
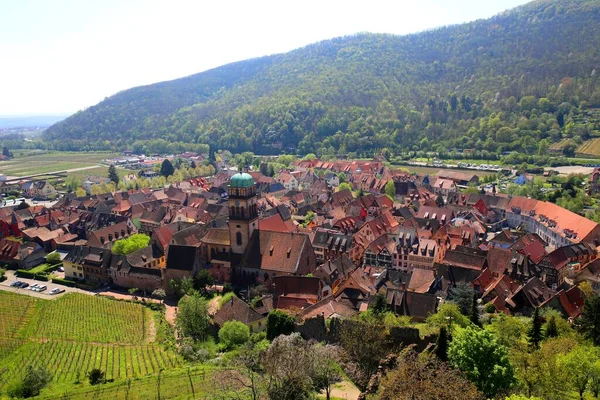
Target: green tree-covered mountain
(519,81)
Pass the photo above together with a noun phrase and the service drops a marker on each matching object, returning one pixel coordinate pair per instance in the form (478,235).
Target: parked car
(34,287)
(41,288)
(61,269)
(56,291)
(23,285)
(15,284)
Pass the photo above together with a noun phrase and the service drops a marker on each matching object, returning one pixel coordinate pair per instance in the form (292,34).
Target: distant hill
(521,80)
(29,121)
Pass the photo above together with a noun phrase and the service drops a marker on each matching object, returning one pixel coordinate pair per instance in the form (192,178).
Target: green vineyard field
(76,333)
(91,319)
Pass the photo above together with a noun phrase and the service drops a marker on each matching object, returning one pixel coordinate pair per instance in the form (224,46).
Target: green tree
(534,334)
(80,192)
(6,152)
(590,319)
(462,295)
(128,245)
(380,305)
(113,175)
(448,315)
(203,279)
(441,346)
(96,376)
(474,314)
(508,330)
(34,380)
(192,317)
(344,186)
(390,189)
(485,362)
(551,328)
(578,367)
(53,258)
(183,286)
(279,323)
(166,168)
(233,334)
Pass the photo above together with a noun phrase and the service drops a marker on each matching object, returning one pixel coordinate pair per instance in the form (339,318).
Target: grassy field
(38,163)
(75,333)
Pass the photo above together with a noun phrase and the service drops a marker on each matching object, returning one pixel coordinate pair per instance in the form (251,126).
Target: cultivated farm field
(87,320)
(38,163)
(76,333)
(589,148)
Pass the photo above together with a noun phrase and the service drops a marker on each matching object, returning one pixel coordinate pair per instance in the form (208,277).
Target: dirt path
(344,390)
(151,332)
(170,314)
(572,169)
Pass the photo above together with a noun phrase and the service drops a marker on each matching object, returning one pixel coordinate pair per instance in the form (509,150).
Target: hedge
(23,273)
(64,282)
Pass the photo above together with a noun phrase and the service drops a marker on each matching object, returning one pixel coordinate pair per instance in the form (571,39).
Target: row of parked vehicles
(36,287)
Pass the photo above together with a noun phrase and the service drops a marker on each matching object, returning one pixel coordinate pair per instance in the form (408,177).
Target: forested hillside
(522,80)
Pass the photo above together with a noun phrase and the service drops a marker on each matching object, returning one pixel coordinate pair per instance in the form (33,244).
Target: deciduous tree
(590,319)
(485,362)
(233,334)
(192,317)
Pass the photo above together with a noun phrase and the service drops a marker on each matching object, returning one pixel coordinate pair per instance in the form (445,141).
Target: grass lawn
(38,162)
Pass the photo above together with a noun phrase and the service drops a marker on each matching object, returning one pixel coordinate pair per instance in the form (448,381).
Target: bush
(233,334)
(53,258)
(489,308)
(96,376)
(279,323)
(23,273)
(33,382)
(64,282)
(226,298)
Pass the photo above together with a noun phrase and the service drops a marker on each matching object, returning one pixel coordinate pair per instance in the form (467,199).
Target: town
(319,237)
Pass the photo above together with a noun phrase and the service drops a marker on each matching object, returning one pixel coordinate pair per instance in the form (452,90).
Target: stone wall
(318,329)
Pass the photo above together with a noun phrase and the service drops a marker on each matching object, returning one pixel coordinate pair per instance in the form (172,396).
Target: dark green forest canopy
(494,85)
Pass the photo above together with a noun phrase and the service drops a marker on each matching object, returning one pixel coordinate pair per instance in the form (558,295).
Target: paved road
(10,275)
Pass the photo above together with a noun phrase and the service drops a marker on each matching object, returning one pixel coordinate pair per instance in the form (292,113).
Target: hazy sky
(60,56)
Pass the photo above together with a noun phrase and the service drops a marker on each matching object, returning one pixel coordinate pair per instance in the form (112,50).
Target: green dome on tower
(241,180)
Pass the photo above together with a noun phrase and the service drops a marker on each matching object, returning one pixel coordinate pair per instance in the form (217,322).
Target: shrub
(53,258)
(64,282)
(279,323)
(489,308)
(233,334)
(96,376)
(33,382)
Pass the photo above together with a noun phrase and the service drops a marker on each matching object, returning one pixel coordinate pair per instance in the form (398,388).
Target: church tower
(243,211)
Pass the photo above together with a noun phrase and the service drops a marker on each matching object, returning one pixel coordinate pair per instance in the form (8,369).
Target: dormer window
(271,251)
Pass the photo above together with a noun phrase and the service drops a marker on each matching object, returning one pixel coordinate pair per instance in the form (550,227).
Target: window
(238,238)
